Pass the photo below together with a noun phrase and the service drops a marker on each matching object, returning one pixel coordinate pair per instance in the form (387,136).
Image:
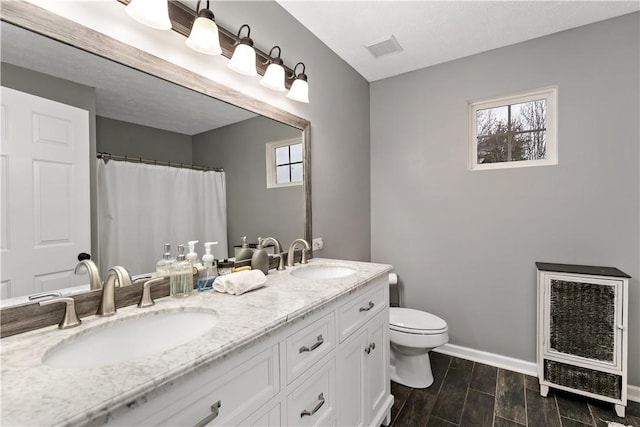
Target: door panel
(44,190)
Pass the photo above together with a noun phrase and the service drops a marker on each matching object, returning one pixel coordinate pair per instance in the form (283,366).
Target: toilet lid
(415,321)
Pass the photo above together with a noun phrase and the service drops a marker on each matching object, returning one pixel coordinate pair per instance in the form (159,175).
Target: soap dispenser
(163,267)
(260,258)
(210,270)
(245,252)
(181,278)
(192,256)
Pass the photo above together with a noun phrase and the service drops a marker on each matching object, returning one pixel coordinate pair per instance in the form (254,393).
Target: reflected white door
(44,188)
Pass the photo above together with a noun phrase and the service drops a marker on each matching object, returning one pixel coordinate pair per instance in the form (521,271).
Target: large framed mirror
(147,111)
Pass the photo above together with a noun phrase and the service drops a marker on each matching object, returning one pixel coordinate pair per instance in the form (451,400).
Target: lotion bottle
(163,267)
(181,278)
(245,252)
(210,270)
(192,256)
(260,258)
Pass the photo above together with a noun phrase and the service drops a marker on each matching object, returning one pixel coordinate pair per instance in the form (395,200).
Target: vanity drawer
(360,310)
(309,345)
(313,402)
(218,396)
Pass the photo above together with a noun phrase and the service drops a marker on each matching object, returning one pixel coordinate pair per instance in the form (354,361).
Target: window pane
(282,155)
(296,172)
(296,153)
(491,121)
(492,149)
(529,115)
(282,174)
(530,145)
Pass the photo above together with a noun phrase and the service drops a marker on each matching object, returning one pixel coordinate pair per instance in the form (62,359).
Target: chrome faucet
(292,249)
(92,270)
(116,277)
(278,250)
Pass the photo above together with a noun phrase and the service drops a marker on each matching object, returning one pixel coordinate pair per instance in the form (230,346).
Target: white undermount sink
(130,338)
(319,272)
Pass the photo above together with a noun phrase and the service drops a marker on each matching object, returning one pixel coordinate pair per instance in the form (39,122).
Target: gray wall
(339,116)
(464,243)
(129,139)
(66,92)
(252,209)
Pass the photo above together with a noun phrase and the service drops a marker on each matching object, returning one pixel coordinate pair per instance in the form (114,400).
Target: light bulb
(152,13)
(274,77)
(204,37)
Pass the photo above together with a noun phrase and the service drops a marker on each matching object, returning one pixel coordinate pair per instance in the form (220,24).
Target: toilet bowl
(413,333)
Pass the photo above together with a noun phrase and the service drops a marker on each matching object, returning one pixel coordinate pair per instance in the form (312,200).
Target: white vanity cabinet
(582,331)
(328,368)
(363,359)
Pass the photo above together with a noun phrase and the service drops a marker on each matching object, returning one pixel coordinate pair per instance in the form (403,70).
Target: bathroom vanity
(311,348)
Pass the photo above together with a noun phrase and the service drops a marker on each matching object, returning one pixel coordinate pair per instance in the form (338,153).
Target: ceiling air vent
(385,47)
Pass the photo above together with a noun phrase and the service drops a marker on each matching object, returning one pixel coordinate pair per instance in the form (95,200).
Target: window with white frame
(514,131)
(285,163)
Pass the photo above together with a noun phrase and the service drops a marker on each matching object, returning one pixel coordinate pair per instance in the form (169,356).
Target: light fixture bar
(182,20)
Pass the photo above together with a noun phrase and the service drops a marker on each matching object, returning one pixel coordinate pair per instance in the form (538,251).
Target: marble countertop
(37,394)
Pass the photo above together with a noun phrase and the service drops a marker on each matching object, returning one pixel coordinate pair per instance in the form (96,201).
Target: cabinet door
(583,319)
(377,385)
(351,379)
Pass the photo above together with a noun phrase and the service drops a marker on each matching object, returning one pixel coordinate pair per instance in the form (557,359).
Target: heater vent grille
(385,47)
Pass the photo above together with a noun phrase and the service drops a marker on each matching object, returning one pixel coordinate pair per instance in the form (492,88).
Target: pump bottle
(210,270)
(181,278)
(163,267)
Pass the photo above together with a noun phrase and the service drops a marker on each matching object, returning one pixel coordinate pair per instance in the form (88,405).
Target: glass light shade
(299,91)
(152,13)
(204,37)
(274,78)
(243,60)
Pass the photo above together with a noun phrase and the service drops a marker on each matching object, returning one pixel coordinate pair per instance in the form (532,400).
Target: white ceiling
(433,32)
(122,93)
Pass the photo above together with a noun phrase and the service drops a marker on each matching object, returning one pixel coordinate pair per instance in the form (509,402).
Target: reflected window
(514,131)
(285,163)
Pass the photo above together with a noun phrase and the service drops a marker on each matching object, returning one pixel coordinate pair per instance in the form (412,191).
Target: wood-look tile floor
(469,394)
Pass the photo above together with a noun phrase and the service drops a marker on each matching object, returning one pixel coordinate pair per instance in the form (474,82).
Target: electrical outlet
(317,243)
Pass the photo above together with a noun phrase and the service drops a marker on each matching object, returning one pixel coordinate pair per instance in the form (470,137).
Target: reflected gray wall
(129,139)
(464,243)
(240,149)
(66,92)
(339,116)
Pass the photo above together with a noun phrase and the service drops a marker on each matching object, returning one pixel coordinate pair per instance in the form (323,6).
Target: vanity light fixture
(299,88)
(274,76)
(152,13)
(204,36)
(243,60)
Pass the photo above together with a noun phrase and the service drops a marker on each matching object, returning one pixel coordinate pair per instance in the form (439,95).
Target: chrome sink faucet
(278,250)
(292,249)
(116,277)
(92,270)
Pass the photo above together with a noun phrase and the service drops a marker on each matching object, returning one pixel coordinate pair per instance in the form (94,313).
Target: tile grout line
(466,395)
(526,407)
(495,400)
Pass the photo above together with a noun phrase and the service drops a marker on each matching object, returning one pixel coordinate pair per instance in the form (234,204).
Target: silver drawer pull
(212,416)
(314,410)
(367,308)
(318,343)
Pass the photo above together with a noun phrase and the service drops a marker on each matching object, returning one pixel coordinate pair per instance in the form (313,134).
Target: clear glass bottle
(181,277)
(163,267)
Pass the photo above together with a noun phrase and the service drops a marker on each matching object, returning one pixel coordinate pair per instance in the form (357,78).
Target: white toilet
(413,333)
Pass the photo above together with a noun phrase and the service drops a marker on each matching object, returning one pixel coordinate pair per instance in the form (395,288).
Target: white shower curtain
(141,207)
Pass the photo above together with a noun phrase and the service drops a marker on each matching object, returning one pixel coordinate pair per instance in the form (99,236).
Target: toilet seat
(410,321)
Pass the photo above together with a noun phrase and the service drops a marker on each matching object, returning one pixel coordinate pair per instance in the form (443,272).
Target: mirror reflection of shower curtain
(141,207)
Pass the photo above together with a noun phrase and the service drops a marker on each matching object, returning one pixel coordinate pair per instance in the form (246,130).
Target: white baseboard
(505,362)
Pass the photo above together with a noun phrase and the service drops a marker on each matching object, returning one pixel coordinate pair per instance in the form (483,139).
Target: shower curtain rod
(109,156)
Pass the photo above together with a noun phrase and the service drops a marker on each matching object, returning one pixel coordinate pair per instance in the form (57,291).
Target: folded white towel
(240,282)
